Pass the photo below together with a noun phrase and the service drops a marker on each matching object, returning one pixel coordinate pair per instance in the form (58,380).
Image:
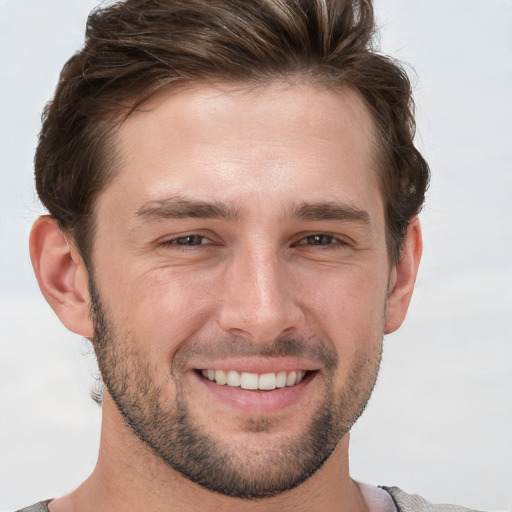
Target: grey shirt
(42,506)
(404,503)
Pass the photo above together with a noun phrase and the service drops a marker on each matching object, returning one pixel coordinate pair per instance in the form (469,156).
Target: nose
(259,302)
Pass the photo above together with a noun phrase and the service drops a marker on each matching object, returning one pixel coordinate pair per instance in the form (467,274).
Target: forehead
(296,142)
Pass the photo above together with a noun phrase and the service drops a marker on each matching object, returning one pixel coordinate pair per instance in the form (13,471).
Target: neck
(130,477)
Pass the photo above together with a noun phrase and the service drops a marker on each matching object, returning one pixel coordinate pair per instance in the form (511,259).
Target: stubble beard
(168,427)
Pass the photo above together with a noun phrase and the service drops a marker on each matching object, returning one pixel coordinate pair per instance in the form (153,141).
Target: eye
(319,239)
(188,240)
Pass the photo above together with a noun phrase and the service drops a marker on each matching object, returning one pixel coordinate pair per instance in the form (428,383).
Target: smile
(254,381)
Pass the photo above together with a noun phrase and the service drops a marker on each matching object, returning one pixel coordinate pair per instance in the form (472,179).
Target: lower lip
(257,402)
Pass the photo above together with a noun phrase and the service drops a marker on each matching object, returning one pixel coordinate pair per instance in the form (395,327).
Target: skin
(257,275)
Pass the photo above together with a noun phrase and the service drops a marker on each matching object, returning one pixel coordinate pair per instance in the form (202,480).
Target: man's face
(242,245)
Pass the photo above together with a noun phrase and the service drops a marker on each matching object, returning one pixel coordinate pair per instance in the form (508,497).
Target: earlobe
(403,278)
(61,275)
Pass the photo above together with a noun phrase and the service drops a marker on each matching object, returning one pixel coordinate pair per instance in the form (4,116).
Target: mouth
(253,388)
(255,381)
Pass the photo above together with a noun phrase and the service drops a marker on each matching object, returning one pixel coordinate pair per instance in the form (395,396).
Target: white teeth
(233,378)
(221,377)
(291,378)
(246,380)
(281,380)
(267,381)
(249,380)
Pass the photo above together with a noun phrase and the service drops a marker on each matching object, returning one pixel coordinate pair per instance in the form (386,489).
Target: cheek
(160,309)
(347,300)
(348,311)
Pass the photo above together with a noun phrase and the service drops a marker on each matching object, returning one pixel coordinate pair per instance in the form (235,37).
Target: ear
(403,278)
(61,274)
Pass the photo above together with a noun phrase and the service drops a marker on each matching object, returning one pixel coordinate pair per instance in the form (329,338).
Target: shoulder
(42,506)
(413,503)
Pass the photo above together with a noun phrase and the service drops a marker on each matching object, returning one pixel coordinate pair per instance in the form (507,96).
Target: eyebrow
(330,211)
(181,208)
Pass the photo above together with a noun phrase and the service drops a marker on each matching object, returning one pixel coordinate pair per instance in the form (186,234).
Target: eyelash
(333,242)
(176,240)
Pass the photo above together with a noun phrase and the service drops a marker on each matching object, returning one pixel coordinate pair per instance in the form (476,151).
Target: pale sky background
(440,421)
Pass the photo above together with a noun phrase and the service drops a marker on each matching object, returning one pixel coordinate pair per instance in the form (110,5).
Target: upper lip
(256,365)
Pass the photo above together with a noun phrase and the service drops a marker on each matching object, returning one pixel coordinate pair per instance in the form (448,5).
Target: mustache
(312,349)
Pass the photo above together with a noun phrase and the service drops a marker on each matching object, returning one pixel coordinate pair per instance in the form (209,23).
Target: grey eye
(319,240)
(188,240)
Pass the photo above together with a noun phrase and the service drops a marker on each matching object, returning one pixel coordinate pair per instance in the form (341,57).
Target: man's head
(138,47)
(236,186)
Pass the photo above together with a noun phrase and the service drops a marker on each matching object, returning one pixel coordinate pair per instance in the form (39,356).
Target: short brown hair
(136,47)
